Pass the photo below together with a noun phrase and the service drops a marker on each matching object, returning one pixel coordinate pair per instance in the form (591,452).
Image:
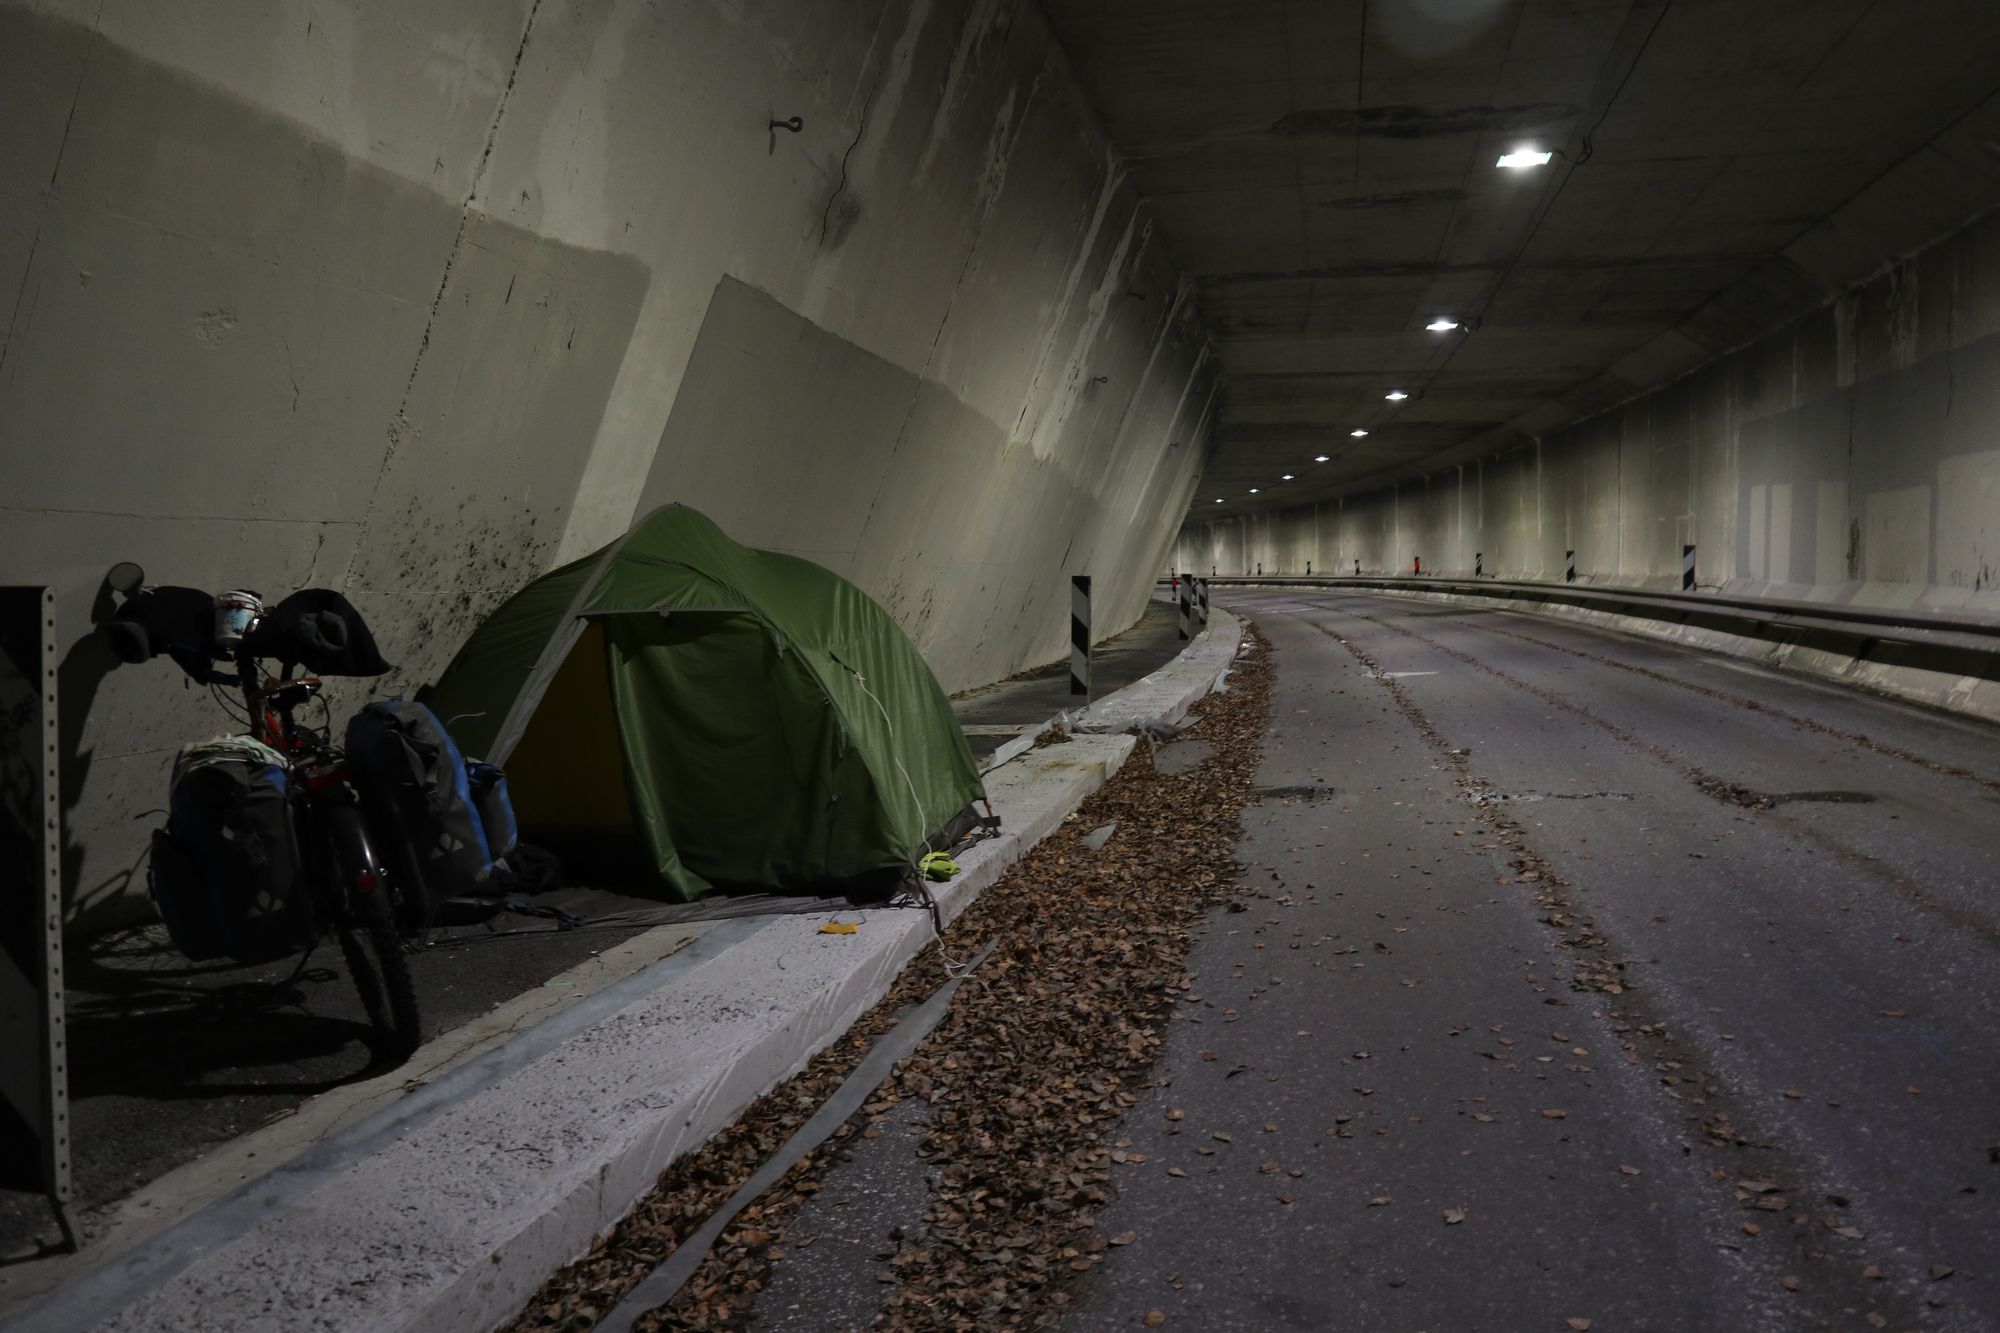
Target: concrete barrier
(1939,661)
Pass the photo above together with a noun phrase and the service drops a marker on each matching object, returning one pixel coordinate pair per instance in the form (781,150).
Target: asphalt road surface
(1774,1102)
(1580,982)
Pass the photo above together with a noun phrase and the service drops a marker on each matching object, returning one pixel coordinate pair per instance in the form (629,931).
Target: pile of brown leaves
(1035,1061)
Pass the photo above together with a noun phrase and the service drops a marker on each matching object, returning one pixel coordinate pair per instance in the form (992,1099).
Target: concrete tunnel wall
(1852,457)
(415,301)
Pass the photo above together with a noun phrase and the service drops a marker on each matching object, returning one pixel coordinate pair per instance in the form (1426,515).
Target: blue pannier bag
(446,823)
(225,872)
(496,810)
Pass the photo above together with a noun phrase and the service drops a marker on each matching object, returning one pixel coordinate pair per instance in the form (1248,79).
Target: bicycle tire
(388,994)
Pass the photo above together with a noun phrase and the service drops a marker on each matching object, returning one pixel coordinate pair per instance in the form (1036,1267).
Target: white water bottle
(235,612)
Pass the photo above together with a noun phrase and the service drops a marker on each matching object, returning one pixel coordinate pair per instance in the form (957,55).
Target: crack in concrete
(48,197)
(860,132)
(465,208)
(291,369)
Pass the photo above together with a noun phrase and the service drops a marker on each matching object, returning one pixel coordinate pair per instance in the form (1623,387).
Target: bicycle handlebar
(315,627)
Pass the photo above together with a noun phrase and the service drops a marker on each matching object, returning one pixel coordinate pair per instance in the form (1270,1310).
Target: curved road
(1593,979)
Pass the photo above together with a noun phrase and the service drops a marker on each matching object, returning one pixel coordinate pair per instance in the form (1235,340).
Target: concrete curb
(1164,696)
(448,1214)
(1167,694)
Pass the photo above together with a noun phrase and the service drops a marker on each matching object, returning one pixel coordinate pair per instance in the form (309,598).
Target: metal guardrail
(1924,640)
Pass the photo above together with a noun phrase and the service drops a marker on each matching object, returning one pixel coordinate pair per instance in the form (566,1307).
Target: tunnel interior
(1587,388)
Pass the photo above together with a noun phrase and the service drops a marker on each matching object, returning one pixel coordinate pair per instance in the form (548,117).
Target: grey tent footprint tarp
(748,717)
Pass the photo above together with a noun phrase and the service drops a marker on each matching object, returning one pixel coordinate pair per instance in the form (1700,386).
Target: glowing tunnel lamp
(1521,159)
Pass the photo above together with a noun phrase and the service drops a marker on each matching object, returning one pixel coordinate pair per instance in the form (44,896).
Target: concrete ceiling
(1325,171)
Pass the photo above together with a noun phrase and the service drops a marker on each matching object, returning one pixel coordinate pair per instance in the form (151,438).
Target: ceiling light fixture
(1395,395)
(1522,159)
(1320,458)
(1253,490)
(1357,432)
(1286,477)
(1218,499)
(1442,325)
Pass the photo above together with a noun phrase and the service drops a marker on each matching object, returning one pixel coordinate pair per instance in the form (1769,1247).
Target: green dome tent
(752,718)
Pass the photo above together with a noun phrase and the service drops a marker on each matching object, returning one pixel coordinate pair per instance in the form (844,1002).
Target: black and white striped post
(1569,569)
(1687,569)
(1079,634)
(1201,600)
(1186,599)
(1479,564)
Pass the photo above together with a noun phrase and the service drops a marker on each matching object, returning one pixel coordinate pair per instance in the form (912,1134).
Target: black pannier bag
(225,872)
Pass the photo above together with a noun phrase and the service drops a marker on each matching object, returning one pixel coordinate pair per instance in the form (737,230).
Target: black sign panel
(34,1087)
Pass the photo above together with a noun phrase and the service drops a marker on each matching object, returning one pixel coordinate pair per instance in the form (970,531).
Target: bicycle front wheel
(381,973)
(368,936)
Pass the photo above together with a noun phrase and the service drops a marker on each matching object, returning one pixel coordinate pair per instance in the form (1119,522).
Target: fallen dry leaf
(1580,1325)
(1554,1113)
(1453,1216)
(1155,1318)
(991,1241)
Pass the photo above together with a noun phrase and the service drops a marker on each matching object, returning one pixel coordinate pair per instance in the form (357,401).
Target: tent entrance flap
(730,746)
(567,774)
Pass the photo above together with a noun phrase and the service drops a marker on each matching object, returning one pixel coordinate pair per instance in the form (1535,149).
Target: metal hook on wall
(795,124)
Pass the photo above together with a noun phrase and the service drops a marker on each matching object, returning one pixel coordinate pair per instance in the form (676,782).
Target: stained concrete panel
(767,394)
(491,439)
(1896,535)
(1968,546)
